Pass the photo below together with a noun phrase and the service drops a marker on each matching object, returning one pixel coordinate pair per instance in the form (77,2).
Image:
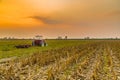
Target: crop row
(92,61)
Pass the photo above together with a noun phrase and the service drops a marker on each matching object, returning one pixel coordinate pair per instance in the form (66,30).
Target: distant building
(5,38)
(59,37)
(66,37)
(9,38)
(87,37)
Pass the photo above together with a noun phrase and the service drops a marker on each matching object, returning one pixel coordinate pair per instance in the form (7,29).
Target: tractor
(39,41)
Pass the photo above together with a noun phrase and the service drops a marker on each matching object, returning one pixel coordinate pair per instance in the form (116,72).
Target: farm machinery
(37,41)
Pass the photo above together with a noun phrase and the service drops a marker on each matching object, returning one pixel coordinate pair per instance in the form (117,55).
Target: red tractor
(39,41)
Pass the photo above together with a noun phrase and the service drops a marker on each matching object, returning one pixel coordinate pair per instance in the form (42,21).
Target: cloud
(46,20)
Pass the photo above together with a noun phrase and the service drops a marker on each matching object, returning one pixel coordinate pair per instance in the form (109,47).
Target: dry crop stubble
(92,61)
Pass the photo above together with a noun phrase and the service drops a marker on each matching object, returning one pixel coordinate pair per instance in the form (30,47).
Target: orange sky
(52,18)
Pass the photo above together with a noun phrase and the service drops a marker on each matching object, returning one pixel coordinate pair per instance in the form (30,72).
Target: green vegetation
(7,48)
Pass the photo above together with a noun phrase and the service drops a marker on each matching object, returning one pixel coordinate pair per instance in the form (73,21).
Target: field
(7,48)
(62,60)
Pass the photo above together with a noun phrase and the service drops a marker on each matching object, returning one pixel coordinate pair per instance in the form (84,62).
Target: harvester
(37,41)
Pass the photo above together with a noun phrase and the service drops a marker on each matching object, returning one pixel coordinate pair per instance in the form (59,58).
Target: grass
(7,48)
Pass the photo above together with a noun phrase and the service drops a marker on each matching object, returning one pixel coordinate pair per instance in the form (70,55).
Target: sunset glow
(52,18)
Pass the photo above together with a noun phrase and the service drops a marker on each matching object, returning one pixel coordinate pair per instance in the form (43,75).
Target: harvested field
(98,60)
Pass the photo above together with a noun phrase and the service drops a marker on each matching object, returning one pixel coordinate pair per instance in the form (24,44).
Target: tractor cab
(39,41)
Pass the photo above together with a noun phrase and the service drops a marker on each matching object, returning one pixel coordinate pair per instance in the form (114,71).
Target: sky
(52,18)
